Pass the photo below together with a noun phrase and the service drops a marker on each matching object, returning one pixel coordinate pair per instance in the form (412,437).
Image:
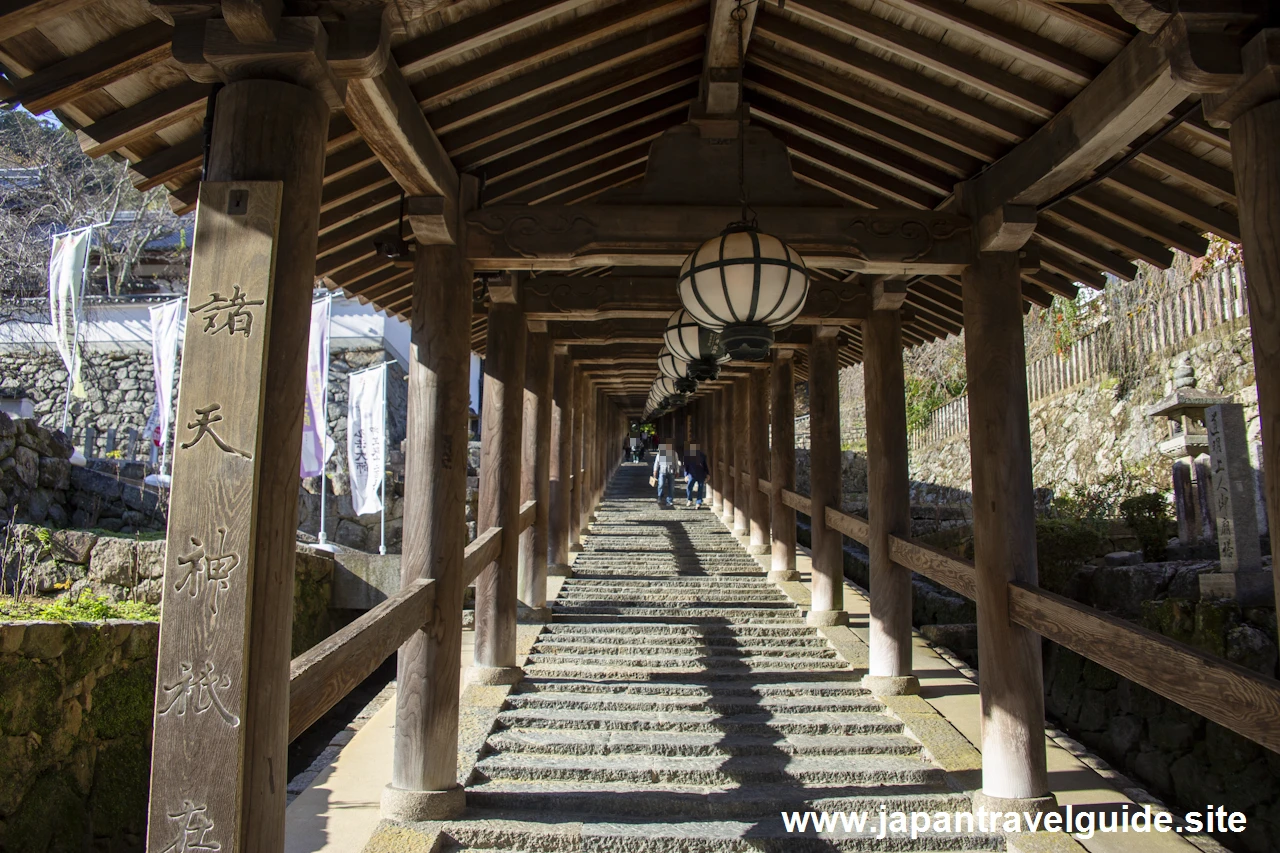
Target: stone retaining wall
(75,734)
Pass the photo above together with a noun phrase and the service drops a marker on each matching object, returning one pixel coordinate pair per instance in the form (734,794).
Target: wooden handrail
(798,502)
(855,527)
(765,486)
(938,566)
(320,677)
(1229,695)
(482,551)
(528,514)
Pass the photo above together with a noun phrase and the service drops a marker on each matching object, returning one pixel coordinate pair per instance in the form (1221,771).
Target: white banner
(316,445)
(167,324)
(366,437)
(67,262)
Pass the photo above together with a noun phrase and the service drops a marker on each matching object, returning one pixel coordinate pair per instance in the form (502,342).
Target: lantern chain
(739,16)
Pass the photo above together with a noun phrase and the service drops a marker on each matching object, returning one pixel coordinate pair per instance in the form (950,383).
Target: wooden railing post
(222,683)
(576,380)
(1257,171)
(758,415)
(558,515)
(504,366)
(715,409)
(741,424)
(782,468)
(725,464)
(824,478)
(1004,533)
(888,505)
(535,473)
(424,779)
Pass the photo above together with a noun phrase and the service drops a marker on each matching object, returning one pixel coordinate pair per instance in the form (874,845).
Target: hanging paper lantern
(696,344)
(744,285)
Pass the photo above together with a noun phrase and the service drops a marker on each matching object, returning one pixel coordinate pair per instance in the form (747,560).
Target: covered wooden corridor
(525,179)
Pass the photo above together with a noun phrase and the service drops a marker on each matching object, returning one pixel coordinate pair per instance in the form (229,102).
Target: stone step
(758,802)
(814,684)
(578,742)
(571,833)
(650,629)
(725,705)
(764,724)
(666,645)
(718,663)
(711,771)
(717,610)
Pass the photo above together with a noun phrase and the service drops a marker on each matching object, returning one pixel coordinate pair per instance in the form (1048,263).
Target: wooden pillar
(424,776)
(1004,529)
(535,474)
(222,684)
(586,506)
(715,497)
(561,466)
(888,505)
(824,478)
(782,468)
(758,415)
(504,367)
(728,493)
(575,458)
(741,459)
(1257,172)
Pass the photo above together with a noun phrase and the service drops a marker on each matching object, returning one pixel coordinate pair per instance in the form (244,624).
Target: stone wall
(1086,433)
(75,734)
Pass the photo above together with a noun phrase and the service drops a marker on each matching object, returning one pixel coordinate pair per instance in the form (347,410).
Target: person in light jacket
(666,467)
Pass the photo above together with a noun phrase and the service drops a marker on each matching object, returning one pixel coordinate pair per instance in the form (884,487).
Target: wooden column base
(826,618)
(783,575)
(561,570)
(491,676)
(402,805)
(891,685)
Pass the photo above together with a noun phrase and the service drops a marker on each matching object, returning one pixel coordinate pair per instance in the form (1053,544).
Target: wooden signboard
(197,755)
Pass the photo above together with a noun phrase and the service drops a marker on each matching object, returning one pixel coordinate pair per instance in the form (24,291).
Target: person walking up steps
(695,476)
(665,466)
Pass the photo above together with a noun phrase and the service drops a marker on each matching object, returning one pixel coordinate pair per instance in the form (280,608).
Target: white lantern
(744,285)
(674,368)
(696,344)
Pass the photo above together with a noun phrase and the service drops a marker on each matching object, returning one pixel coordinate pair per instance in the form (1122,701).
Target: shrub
(1148,517)
(1063,546)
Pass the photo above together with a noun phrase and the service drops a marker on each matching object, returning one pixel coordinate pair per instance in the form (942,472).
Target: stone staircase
(678,701)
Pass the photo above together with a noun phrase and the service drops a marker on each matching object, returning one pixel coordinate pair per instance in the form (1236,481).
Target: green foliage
(1065,323)
(1063,546)
(1102,500)
(925,396)
(1147,515)
(123,701)
(86,607)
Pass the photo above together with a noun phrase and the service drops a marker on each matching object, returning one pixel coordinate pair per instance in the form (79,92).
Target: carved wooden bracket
(1259,82)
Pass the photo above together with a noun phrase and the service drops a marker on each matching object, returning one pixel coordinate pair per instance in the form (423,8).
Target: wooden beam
(656,24)
(393,126)
(99,66)
(126,126)
(554,237)
(475,32)
(18,16)
(169,163)
(568,185)
(726,36)
(1133,93)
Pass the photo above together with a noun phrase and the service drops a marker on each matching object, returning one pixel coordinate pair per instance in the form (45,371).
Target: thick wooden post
(587,396)
(1004,530)
(741,458)
(727,491)
(1257,171)
(715,494)
(575,458)
(782,468)
(888,505)
(824,478)
(222,684)
(424,777)
(561,467)
(504,366)
(758,386)
(535,474)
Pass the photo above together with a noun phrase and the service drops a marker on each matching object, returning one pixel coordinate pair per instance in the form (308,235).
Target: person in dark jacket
(695,475)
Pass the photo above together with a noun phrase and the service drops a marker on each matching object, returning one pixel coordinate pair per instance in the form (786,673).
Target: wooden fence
(1153,329)
(1228,694)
